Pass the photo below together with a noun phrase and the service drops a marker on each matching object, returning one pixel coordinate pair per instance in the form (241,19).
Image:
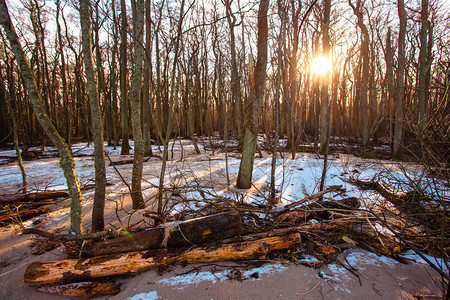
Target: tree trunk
(251,124)
(424,65)
(66,160)
(398,127)
(235,80)
(146,94)
(12,111)
(324,118)
(358,11)
(123,80)
(138,34)
(98,206)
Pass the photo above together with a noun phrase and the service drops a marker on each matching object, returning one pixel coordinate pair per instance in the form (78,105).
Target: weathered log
(22,215)
(174,234)
(72,270)
(35,196)
(319,209)
(85,290)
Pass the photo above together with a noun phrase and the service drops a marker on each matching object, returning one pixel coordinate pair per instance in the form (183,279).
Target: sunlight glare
(321,65)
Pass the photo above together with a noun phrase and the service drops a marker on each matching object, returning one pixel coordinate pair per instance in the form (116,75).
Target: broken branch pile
(22,207)
(241,233)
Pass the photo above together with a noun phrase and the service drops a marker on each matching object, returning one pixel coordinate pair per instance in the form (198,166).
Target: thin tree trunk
(235,80)
(138,34)
(424,65)
(67,111)
(98,223)
(398,127)
(389,53)
(324,118)
(12,112)
(365,71)
(173,100)
(123,79)
(244,178)
(146,98)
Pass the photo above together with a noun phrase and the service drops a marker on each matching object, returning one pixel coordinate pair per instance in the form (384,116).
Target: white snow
(152,295)
(180,282)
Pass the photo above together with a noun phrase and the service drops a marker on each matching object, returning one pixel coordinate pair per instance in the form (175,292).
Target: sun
(321,65)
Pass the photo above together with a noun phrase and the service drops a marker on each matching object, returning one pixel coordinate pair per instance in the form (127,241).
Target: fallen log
(85,290)
(22,215)
(35,196)
(413,204)
(321,209)
(125,161)
(174,234)
(72,270)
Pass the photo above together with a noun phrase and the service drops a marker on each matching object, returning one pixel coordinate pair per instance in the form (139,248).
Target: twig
(68,237)
(309,291)
(446,276)
(117,171)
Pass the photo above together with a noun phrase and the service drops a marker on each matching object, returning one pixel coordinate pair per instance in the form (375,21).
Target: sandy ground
(373,278)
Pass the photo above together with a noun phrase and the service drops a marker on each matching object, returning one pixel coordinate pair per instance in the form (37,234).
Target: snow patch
(152,295)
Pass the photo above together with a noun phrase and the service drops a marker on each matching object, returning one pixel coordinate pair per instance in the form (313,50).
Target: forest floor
(193,180)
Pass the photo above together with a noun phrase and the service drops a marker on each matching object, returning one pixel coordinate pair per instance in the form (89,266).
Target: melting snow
(152,295)
(180,282)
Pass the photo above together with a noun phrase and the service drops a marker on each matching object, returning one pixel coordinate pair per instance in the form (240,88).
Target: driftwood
(22,215)
(321,209)
(35,196)
(72,270)
(174,234)
(85,290)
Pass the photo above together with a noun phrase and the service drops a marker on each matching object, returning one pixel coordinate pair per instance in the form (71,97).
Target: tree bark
(251,124)
(138,34)
(424,65)
(72,270)
(194,231)
(357,10)
(98,206)
(235,80)
(398,126)
(123,80)
(324,117)
(66,160)
(146,94)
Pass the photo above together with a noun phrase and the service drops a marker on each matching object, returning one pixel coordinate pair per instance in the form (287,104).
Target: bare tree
(358,11)
(398,127)
(138,37)
(66,160)
(258,84)
(123,79)
(98,223)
